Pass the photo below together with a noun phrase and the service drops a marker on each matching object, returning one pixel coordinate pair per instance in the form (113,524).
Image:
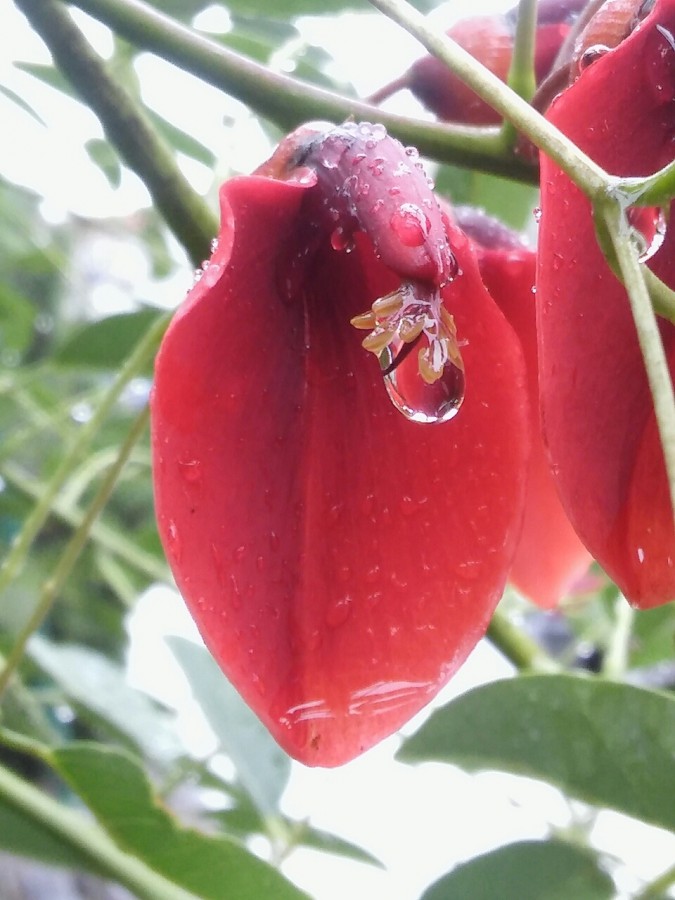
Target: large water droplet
(191,470)
(410,224)
(648,229)
(411,394)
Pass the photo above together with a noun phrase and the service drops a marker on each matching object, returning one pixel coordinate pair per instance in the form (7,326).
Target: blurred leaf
(531,870)
(308,7)
(508,200)
(308,836)
(17,317)
(48,75)
(653,636)
(263,768)
(182,141)
(608,744)
(102,154)
(116,789)
(96,683)
(185,10)
(20,102)
(106,344)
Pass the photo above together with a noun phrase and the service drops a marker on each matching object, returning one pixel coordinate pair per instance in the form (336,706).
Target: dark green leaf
(116,789)
(608,744)
(263,768)
(107,343)
(531,870)
(102,154)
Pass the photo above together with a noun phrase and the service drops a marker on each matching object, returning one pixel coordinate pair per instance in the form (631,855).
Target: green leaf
(91,680)
(21,103)
(49,75)
(531,870)
(17,316)
(263,768)
(182,141)
(290,8)
(107,343)
(609,744)
(116,789)
(308,836)
(102,154)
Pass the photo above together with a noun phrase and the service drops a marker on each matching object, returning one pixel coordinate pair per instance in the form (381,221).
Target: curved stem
(289,102)
(650,191)
(87,839)
(126,125)
(662,297)
(71,554)
(649,338)
(590,177)
(20,547)
(517,647)
(616,658)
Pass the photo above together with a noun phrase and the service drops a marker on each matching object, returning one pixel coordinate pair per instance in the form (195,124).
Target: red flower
(489,39)
(550,558)
(597,408)
(340,558)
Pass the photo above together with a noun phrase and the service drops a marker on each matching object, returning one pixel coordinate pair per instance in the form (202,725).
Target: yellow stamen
(365,320)
(409,330)
(390,303)
(377,340)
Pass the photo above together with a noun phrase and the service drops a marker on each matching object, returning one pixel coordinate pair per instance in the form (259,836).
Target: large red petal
(597,407)
(550,557)
(340,560)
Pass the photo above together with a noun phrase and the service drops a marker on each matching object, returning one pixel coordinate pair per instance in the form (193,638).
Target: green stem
(87,839)
(657,889)
(135,363)
(662,297)
(649,337)
(616,658)
(71,554)
(521,78)
(590,177)
(517,647)
(653,190)
(126,125)
(289,102)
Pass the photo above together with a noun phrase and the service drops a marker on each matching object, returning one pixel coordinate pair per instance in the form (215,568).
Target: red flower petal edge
(550,558)
(339,559)
(597,408)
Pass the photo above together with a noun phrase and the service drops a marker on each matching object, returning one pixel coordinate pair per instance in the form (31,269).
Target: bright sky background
(419,821)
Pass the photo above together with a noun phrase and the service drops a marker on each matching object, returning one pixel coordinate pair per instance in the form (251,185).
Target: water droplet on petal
(537,214)
(410,224)
(648,229)
(191,470)
(340,240)
(338,611)
(175,545)
(411,394)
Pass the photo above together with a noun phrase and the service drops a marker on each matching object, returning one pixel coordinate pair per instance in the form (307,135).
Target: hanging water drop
(414,396)
(647,230)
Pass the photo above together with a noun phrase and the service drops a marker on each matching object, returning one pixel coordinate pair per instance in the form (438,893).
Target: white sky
(419,821)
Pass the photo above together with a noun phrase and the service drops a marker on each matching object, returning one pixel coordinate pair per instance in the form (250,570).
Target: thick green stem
(590,177)
(649,338)
(289,102)
(618,651)
(88,839)
(70,555)
(517,647)
(126,126)
(521,78)
(21,545)
(662,297)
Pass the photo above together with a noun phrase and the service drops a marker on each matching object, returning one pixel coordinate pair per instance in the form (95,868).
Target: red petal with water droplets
(597,407)
(550,558)
(340,560)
